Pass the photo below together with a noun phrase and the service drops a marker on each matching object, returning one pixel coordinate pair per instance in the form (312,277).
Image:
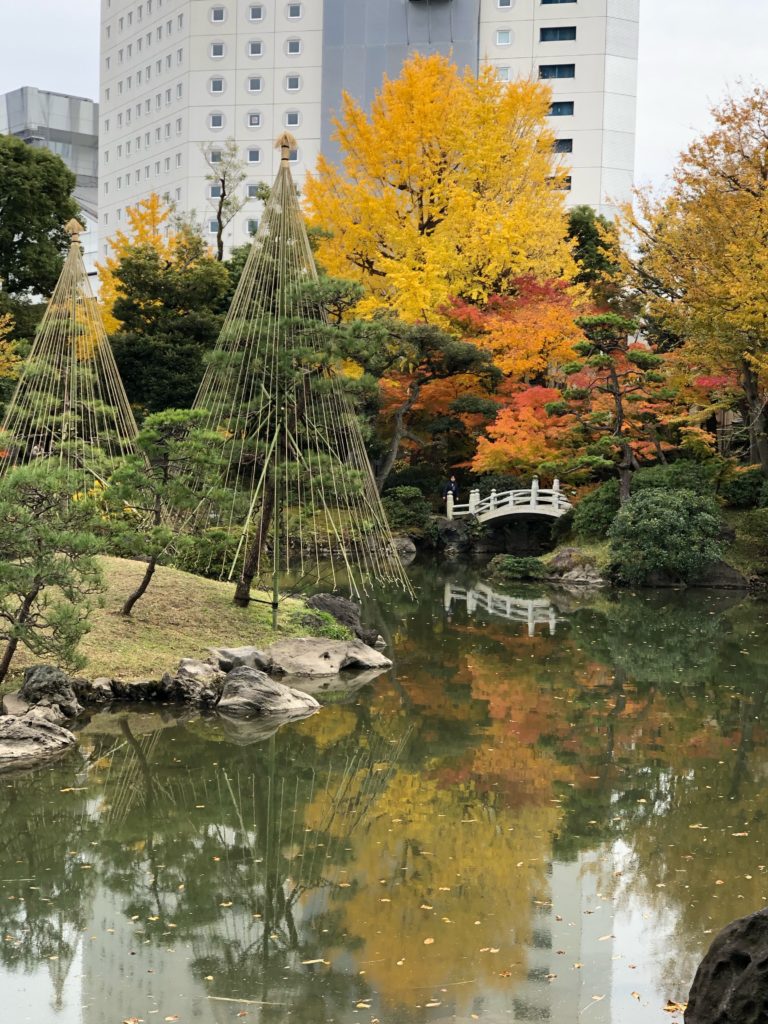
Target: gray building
(69,127)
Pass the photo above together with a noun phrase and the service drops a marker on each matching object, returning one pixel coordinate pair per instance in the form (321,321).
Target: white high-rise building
(178,76)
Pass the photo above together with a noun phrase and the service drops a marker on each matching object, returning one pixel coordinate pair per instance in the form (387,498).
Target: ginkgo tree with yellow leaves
(448,189)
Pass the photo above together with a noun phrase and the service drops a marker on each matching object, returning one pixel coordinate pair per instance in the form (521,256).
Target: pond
(542,813)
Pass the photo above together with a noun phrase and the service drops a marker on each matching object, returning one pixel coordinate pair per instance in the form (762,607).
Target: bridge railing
(531,499)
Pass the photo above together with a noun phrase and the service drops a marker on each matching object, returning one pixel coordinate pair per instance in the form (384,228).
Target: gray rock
(346,612)
(228,658)
(139,690)
(194,682)
(312,656)
(567,559)
(586,576)
(31,739)
(50,686)
(731,984)
(247,691)
(12,704)
(405,548)
(454,536)
(42,713)
(721,575)
(93,691)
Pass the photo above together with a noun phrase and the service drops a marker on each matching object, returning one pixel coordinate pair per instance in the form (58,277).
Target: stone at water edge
(31,739)
(313,656)
(731,984)
(194,682)
(405,548)
(247,691)
(93,691)
(51,687)
(228,658)
(346,612)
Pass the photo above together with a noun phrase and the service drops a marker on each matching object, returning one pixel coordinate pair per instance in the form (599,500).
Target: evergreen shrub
(511,569)
(699,477)
(408,511)
(743,487)
(596,511)
(673,533)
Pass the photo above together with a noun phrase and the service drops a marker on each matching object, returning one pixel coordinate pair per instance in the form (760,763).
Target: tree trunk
(148,574)
(13,643)
(625,474)
(397,437)
(758,421)
(244,583)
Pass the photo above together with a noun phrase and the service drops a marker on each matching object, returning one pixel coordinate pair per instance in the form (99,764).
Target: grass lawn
(179,617)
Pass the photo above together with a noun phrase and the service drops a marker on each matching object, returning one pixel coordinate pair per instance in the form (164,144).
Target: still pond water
(543,813)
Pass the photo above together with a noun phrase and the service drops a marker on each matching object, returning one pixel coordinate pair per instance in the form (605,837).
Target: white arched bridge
(530,501)
(532,612)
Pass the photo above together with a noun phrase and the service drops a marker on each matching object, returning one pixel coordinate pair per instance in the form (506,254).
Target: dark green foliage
(700,477)
(596,511)
(171,314)
(511,569)
(499,482)
(35,204)
(596,251)
(408,511)
(47,571)
(743,488)
(672,533)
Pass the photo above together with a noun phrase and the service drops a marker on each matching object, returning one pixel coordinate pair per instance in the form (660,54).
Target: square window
(293,47)
(213,227)
(505,3)
(214,191)
(217,50)
(255,48)
(292,83)
(252,191)
(503,37)
(215,120)
(292,119)
(256,12)
(503,74)
(293,155)
(214,156)
(254,84)
(217,85)
(254,156)
(252,226)
(294,10)
(254,119)
(218,14)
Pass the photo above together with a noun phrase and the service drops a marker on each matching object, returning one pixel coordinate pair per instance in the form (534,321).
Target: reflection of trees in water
(47,887)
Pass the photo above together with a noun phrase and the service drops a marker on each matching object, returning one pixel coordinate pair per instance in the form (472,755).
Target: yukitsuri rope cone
(301,495)
(69,405)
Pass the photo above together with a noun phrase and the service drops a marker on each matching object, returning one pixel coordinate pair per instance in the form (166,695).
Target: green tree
(161,485)
(47,570)
(597,254)
(35,204)
(612,401)
(170,312)
(674,533)
(226,173)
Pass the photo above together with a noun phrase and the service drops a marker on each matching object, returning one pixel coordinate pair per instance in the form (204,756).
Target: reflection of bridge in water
(532,611)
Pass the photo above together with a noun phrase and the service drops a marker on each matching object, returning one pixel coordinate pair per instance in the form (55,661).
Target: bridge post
(556,490)
(492,500)
(449,505)
(535,492)
(474,499)
(447,597)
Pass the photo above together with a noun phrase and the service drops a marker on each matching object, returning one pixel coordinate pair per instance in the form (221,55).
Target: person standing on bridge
(451,488)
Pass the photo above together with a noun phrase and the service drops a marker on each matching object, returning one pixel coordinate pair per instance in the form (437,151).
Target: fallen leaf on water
(363,1006)
(435,1002)
(133,1020)
(673,1007)
(226,903)
(635,995)
(400,963)
(318,961)
(697,825)
(173,1016)
(604,937)
(344,885)
(428,942)
(738,835)
(597,999)
(719,881)
(425,906)
(385,899)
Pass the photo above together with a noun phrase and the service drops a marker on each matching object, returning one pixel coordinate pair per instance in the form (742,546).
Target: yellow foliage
(447,190)
(148,224)
(10,361)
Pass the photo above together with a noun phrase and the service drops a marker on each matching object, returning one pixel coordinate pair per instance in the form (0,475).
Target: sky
(692,53)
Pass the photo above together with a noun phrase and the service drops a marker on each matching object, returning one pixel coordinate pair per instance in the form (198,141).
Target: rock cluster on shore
(234,682)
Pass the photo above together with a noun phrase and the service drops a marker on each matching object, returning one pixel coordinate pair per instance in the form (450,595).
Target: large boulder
(194,682)
(93,691)
(346,612)
(721,575)
(313,656)
(31,739)
(731,984)
(228,658)
(405,549)
(49,686)
(136,691)
(454,537)
(247,691)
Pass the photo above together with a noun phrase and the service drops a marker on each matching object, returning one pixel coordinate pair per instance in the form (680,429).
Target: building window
(503,36)
(254,156)
(213,227)
(561,108)
(157,134)
(252,225)
(567,183)
(179,90)
(214,157)
(503,74)
(256,12)
(558,1)
(218,14)
(557,71)
(157,167)
(252,191)
(216,85)
(214,191)
(168,62)
(180,21)
(293,156)
(292,83)
(106,94)
(255,84)
(504,3)
(253,119)
(167,97)
(119,181)
(216,120)
(294,10)
(255,48)
(178,159)
(557,34)
(109,63)
(216,50)
(106,188)
(180,56)
(167,130)
(293,47)
(563,146)
(292,119)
